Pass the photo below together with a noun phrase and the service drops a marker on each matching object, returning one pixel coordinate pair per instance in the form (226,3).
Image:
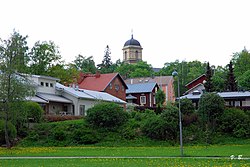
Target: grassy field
(120,162)
(214,150)
(116,156)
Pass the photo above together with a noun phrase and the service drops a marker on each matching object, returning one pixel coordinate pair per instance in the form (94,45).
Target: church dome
(132,41)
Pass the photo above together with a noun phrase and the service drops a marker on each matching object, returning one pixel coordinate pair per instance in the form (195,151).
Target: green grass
(215,150)
(119,162)
(94,152)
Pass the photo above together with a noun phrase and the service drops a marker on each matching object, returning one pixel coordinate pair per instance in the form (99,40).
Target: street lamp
(175,73)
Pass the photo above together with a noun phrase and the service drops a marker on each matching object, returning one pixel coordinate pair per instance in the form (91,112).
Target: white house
(56,98)
(83,99)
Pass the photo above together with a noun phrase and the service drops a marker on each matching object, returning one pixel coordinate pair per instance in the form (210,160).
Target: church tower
(132,51)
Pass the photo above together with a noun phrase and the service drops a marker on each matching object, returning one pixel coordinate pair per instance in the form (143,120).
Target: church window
(136,54)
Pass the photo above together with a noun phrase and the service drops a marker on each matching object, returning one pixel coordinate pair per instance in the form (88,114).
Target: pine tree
(230,82)
(105,66)
(209,85)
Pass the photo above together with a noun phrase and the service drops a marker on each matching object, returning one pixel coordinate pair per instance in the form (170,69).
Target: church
(132,51)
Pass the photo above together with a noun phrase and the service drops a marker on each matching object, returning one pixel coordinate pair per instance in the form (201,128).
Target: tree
(160,98)
(244,81)
(241,61)
(86,65)
(218,79)
(211,107)
(43,55)
(67,73)
(140,69)
(14,86)
(209,85)
(104,67)
(230,82)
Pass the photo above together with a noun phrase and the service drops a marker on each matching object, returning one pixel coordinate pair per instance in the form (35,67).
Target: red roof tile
(96,82)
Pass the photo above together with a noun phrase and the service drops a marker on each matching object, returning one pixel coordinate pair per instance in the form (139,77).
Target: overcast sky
(187,30)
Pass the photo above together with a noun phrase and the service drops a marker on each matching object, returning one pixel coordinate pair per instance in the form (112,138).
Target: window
(136,54)
(143,99)
(154,100)
(122,88)
(237,103)
(51,85)
(47,84)
(117,87)
(110,86)
(42,84)
(82,109)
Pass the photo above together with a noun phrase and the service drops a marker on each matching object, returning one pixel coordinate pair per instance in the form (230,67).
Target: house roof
(160,80)
(203,75)
(53,97)
(89,94)
(225,95)
(45,77)
(36,99)
(99,82)
(130,97)
(199,84)
(141,87)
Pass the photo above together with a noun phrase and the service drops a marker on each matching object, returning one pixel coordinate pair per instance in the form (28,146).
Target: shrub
(85,136)
(236,122)
(163,126)
(187,107)
(34,111)
(211,107)
(11,131)
(106,115)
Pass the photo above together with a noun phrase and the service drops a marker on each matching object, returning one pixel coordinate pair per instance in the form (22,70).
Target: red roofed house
(196,85)
(111,83)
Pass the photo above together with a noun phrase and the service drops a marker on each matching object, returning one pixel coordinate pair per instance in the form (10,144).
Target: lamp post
(175,73)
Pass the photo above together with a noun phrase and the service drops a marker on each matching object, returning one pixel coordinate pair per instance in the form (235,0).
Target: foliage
(106,115)
(160,97)
(86,65)
(11,131)
(187,71)
(43,55)
(241,61)
(211,107)
(34,111)
(209,85)
(218,79)
(244,81)
(104,67)
(235,121)
(140,69)
(187,107)
(14,86)
(231,82)
(163,126)
(67,73)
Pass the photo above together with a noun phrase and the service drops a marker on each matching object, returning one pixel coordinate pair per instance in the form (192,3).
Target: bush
(34,111)
(163,126)
(236,122)
(187,107)
(85,136)
(11,131)
(211,107)
(106,115)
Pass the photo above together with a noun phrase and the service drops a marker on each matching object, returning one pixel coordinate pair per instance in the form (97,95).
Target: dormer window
(42,83)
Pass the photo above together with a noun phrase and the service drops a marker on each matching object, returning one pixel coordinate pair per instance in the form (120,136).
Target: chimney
(97,75)
(131,81)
